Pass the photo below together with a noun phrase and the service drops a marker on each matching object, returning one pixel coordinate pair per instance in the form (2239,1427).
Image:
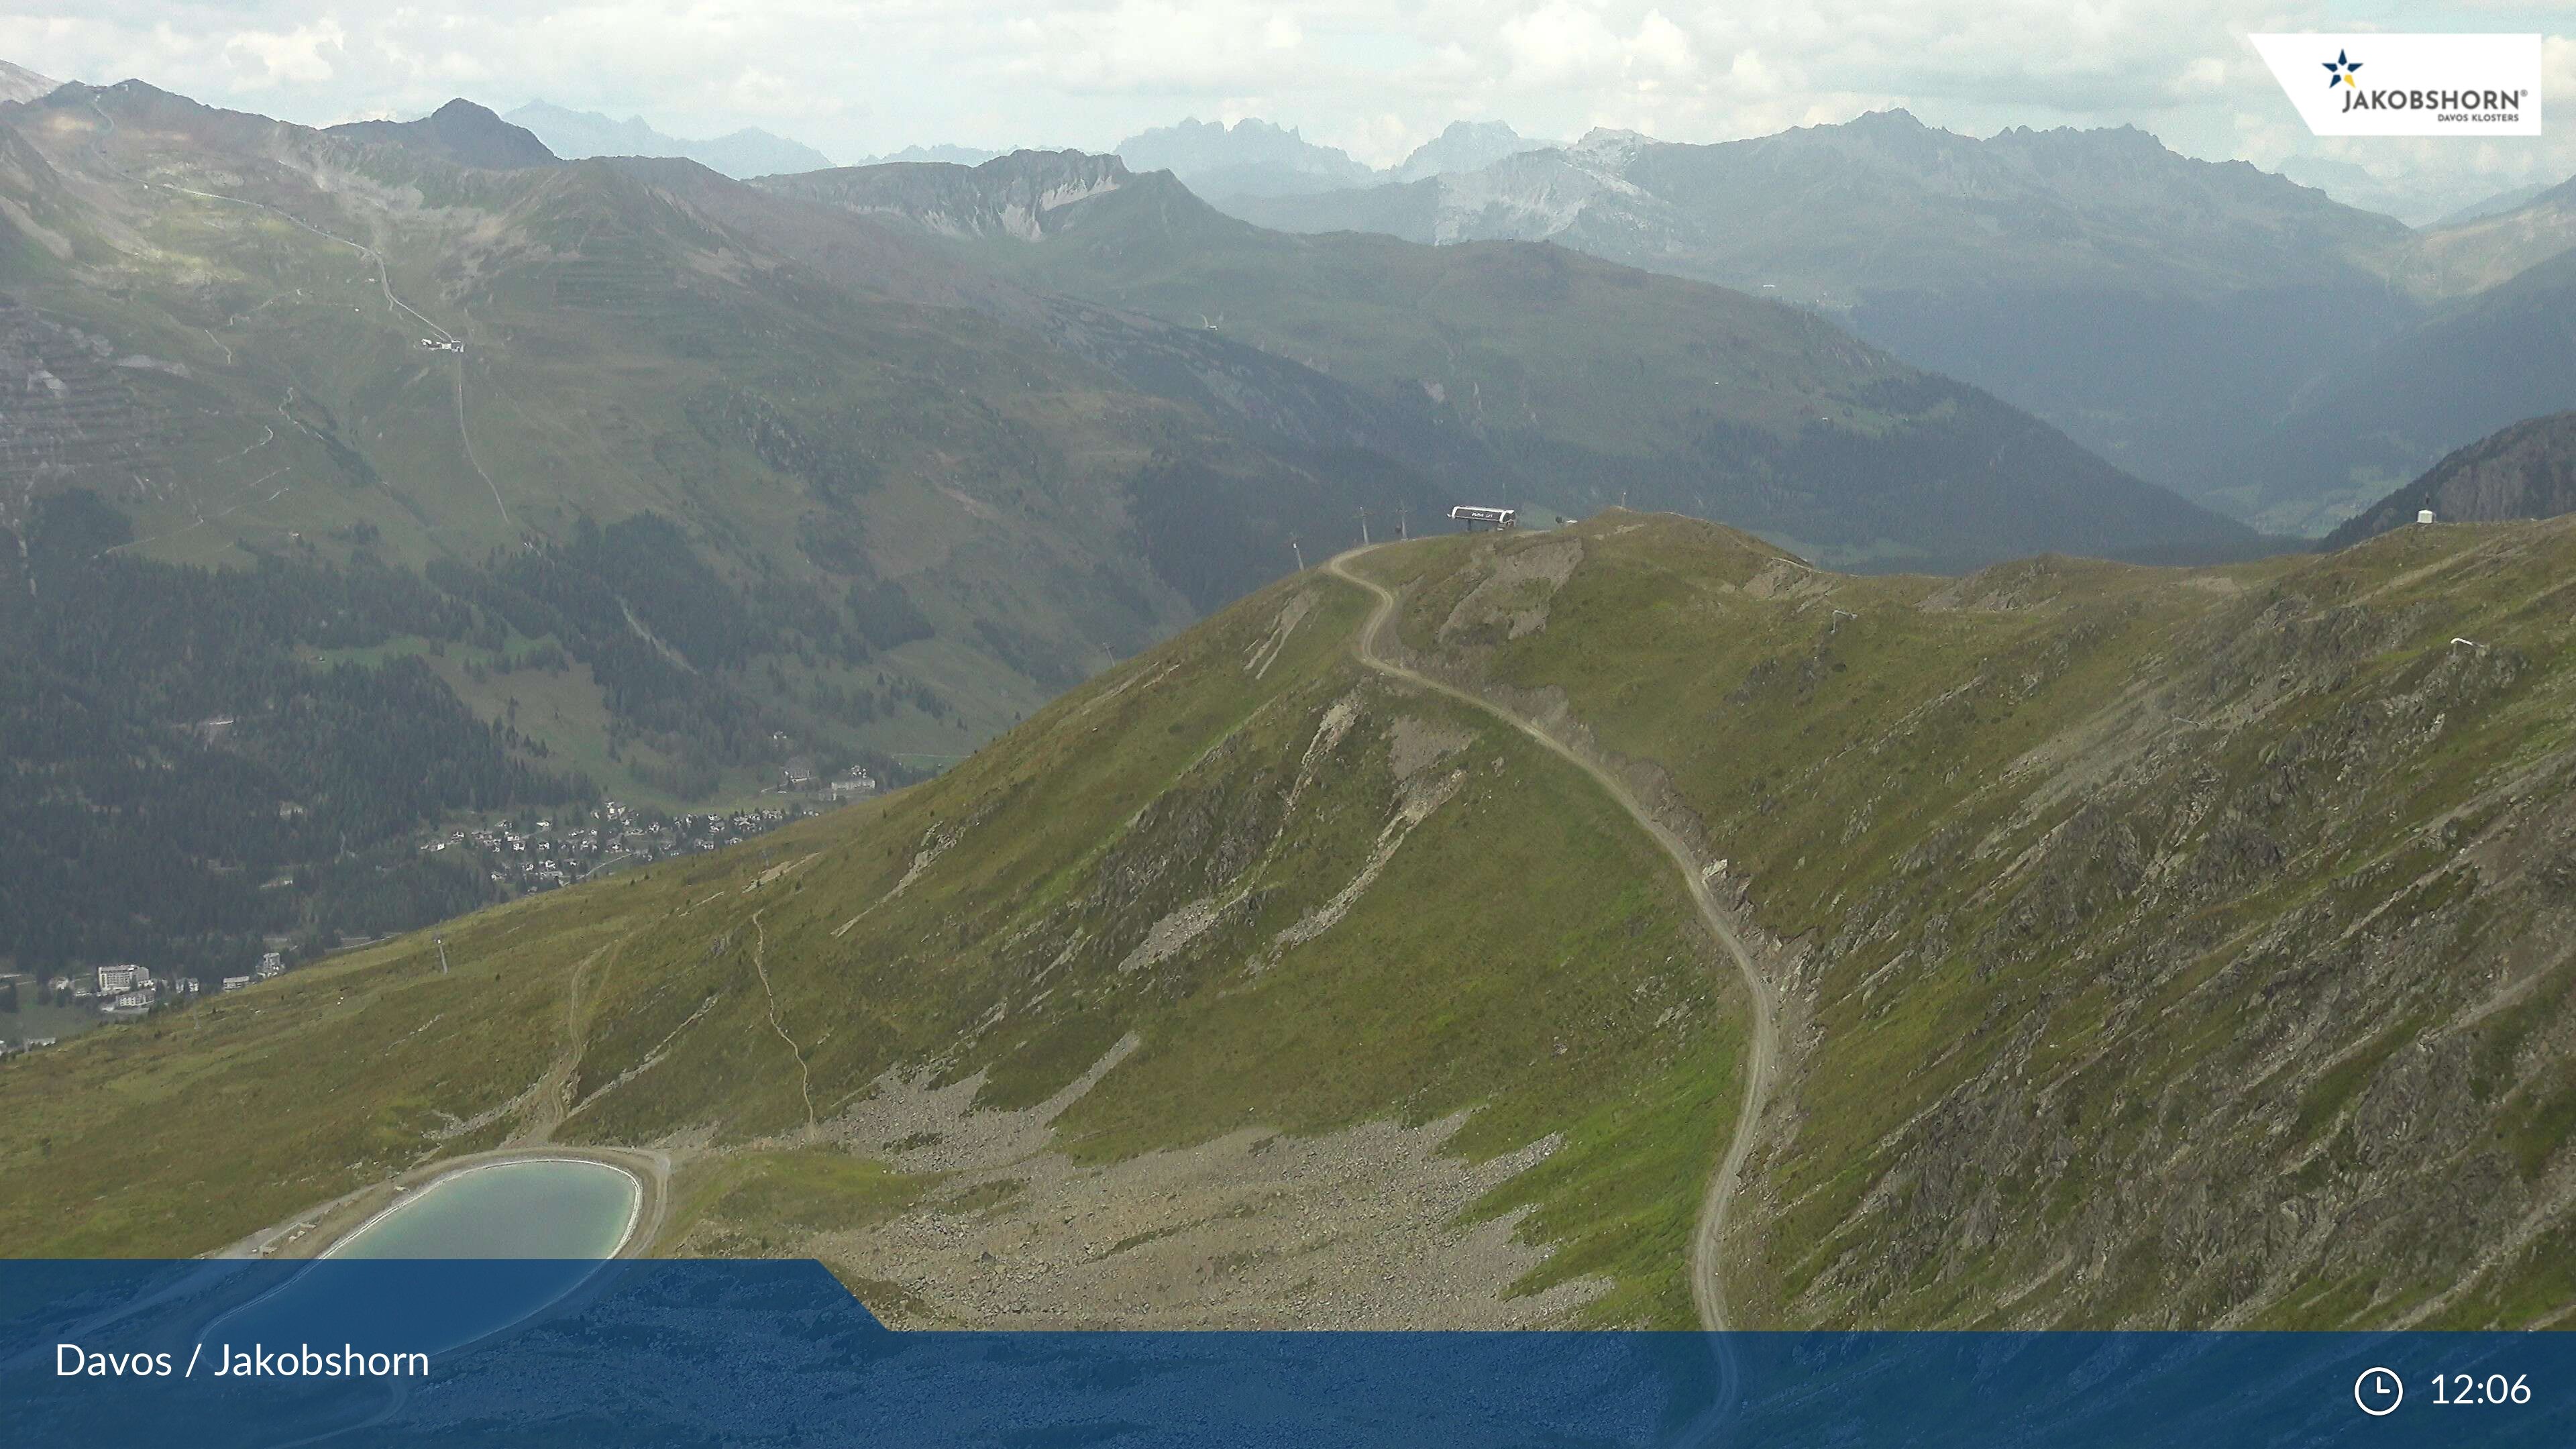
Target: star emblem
(2339,72)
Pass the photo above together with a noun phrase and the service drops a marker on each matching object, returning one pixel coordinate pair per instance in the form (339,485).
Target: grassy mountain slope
(1312,898)
(2525,471)
(821,404)
(2162,948)
(2155,947)
(1584,381)
(622,354)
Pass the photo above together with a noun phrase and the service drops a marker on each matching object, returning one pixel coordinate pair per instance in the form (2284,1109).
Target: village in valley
(519,855)
(531,853)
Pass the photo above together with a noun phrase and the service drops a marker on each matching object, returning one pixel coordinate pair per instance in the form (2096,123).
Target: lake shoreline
(411,1199)
(319,1230)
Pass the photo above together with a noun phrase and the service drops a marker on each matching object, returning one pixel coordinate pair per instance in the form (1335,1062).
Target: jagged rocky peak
(1025,187)
(1465,146)
(1609,148)
(1252,157)
(1896,133)
(1088,168)
(1895,120)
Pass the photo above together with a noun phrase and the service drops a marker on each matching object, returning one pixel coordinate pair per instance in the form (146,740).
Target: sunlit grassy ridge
(2170,947)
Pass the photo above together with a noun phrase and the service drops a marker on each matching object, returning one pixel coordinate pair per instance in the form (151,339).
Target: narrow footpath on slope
(384,283)
(1708,1294)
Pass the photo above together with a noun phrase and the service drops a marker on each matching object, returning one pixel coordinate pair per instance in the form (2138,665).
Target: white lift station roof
(1474,516)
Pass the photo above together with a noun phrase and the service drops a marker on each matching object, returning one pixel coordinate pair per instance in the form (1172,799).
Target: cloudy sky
(860,77)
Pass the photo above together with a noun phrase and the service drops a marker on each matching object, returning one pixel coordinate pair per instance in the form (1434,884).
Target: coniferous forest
(190,772)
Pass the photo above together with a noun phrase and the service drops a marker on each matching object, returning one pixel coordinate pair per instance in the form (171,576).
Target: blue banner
(640,1354)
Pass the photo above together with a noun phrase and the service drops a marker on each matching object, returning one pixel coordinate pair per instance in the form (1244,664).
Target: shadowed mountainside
(2156,308)
(1585,382)
(2525,471)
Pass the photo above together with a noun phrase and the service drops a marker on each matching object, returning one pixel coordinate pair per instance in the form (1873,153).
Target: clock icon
(2378,1391)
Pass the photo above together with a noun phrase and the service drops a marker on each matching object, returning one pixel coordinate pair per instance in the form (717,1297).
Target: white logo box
(2409,85)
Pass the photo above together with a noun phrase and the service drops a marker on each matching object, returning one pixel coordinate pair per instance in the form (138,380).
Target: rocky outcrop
(1015,196)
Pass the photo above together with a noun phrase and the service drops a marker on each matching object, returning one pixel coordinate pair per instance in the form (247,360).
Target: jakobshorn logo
(2418,85)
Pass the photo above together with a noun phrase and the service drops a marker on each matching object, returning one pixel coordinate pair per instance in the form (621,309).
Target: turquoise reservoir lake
(530,1208)
(470,1255)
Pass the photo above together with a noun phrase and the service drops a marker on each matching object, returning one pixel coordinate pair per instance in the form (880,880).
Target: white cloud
(269,58)
(1660,48)
(1154,47)
(859,76)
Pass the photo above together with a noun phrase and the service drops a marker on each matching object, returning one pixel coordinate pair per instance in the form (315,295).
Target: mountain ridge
(2024,252)
(1251,157)
(1722,421)
(1463,146)
(459,131)
(661,479)
(748,152)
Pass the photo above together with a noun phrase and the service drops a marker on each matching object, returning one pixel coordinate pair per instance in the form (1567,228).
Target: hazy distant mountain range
(949,155)
(741,154)
(1253,158)
(1579,382)
(2496,205)
(1249,158)
(2160,310)
(747,152)
(1464,146)
(2252,342)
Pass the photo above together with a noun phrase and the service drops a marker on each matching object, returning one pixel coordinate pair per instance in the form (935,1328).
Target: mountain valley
(678,487)
(2208,326)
